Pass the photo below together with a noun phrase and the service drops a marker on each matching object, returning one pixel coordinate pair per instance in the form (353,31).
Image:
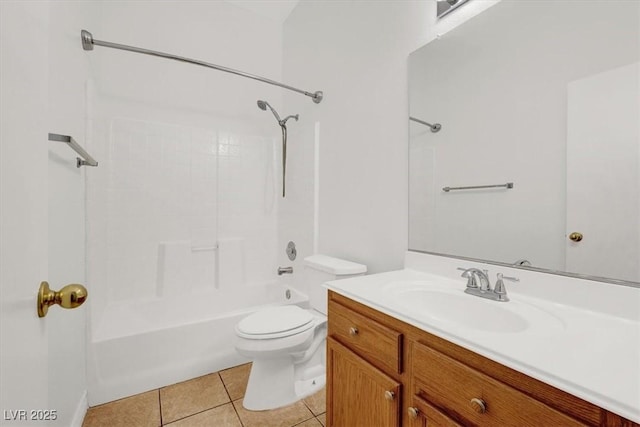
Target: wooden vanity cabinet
(383,372)
(358,393)
(364,364)
(474,398)
(423,414)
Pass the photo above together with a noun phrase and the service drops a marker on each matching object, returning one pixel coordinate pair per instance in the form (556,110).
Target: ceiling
(277,10)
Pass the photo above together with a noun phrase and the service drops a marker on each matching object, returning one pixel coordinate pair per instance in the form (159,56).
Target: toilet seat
(275,322)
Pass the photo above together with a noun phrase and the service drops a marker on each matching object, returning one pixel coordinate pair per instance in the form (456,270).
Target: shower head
(283,125)
(263,106)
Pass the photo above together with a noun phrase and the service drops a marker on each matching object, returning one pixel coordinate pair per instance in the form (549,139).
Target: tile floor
(212,400)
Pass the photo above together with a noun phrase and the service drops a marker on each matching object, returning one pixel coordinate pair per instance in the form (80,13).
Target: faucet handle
(511,279)
(499,289)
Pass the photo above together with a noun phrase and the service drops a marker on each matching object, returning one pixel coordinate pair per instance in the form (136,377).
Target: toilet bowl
(288,343)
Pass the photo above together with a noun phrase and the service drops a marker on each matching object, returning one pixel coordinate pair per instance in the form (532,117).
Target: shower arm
(434,127)
(88,42)
(284,121)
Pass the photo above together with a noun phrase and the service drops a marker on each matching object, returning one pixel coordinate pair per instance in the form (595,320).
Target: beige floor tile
(235,380)
(281,417)
(141,410)
(190,397)
(221,416)
(313,422)
(323,419)
(317,402)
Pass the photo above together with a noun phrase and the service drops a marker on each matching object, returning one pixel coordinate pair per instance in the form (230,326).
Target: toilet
(288,343)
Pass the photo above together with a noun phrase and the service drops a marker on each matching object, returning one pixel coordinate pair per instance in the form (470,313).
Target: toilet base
(285,370)
(272,384)
(305,388)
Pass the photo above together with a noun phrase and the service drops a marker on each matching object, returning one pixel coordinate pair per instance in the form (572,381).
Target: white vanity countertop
(589,353)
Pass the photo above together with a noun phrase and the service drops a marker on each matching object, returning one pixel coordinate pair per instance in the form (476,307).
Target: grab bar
(476,187)
(86,159)
(213,247)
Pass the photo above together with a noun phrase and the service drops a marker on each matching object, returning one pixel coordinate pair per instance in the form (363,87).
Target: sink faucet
(476,278)
(478,284)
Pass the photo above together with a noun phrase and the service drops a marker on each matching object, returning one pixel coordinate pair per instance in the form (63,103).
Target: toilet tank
(320,269)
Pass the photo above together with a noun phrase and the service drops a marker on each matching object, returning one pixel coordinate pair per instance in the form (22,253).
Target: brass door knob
(413,412)
(353,331)
(389,395)
(479,405)
(575,236)
(71,296)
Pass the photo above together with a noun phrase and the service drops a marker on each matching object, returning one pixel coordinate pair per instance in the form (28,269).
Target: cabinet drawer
(471,397)
(376,343)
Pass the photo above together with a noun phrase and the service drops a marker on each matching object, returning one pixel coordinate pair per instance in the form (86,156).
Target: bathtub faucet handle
(285,270)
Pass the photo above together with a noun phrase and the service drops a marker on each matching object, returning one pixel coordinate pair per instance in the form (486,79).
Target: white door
(23,210)
(603,174)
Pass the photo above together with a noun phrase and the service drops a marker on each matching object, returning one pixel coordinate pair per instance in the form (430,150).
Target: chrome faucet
(476,278)
(478,284)
(285,270)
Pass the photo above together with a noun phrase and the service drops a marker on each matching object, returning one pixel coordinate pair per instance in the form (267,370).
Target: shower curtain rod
(88,42)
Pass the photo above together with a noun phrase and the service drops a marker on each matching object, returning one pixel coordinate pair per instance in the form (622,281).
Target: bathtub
(146,344)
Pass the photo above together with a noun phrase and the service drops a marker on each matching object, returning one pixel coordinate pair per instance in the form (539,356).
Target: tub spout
(285,270)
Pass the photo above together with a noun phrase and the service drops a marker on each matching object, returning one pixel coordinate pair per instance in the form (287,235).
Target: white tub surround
(580,336)
(147,344)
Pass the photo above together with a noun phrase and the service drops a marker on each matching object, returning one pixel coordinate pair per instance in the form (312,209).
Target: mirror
(546,96)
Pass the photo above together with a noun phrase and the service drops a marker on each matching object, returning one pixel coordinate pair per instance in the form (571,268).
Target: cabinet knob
(413,412)
(389,395)
(353,331)
(479,405)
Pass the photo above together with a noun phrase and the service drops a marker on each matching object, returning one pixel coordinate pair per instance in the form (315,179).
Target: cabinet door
(423,414)
(359,395)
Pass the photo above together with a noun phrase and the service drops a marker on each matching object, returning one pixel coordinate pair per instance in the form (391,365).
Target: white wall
(186,157)
(356,52)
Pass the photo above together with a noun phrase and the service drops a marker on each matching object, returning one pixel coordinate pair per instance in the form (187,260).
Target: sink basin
(443,304)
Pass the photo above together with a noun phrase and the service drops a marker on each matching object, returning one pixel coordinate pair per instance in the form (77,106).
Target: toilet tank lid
(336,266)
